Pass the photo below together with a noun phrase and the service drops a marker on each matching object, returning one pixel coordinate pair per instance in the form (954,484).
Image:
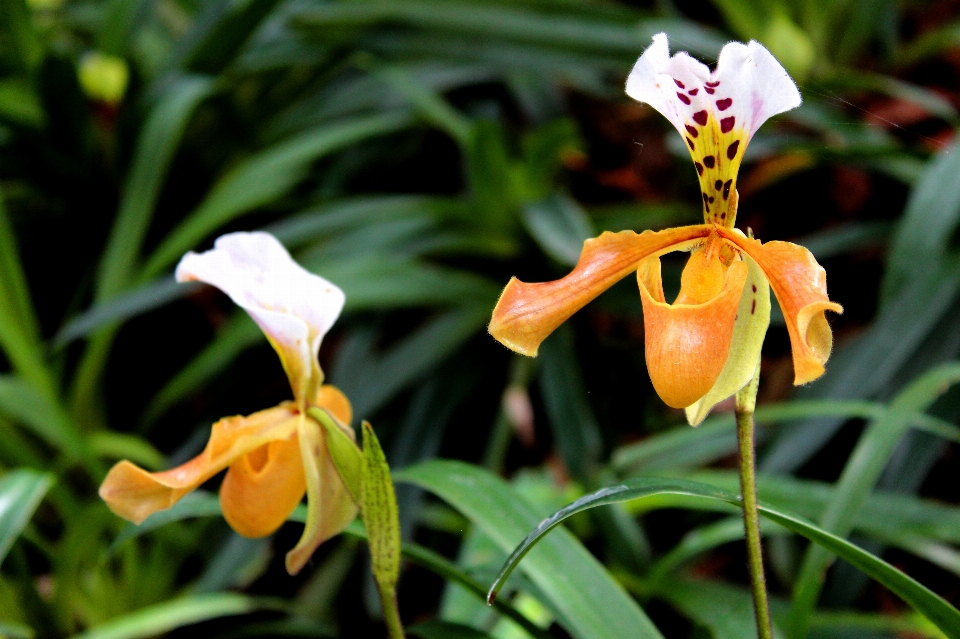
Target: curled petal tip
(817,337)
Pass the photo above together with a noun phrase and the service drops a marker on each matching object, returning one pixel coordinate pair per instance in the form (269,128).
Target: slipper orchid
(276,455)
(705,346)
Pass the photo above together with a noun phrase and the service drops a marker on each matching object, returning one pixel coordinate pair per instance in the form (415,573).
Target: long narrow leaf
(20,493)
(593,605)
(667,493)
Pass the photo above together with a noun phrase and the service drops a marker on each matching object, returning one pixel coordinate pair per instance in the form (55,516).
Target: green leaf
(859,476)
(406,361)
(436,629)
(43,417)
(164,617)
(20,104)
(378,506)
(154,151)
(20,493)
(675,492)
(123,307)
(238,334)
(929,220)
(262,178)
(592,606)
(559,226)
(221,41)
(576,432)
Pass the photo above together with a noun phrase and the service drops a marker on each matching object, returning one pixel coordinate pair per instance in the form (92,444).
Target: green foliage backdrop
(418,153)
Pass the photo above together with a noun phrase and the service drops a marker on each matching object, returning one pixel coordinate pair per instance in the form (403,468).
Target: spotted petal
(527,313)
(716,112)
(294,307)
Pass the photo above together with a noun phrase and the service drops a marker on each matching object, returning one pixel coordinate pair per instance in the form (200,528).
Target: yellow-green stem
(745,404)
(391,613)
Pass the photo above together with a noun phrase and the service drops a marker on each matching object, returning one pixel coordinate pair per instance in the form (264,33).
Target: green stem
(391,613)
(745,404)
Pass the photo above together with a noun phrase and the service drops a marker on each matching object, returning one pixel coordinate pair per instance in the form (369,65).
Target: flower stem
(391,613)
(745,404)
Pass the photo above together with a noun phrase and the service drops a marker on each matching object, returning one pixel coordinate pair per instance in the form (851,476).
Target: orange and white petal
(749,330)
(527,313)
(687,345)
(329,506)
(135,494)
(716,112)
(293,307)
(800,285)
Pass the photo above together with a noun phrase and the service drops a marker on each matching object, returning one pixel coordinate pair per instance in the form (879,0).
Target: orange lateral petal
(335,402)
(527,313)
(687,344)
(800,285)
(262,488)
(135,494)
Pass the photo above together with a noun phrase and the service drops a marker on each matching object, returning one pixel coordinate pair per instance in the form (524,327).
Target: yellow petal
(329,507)
(527,313)
(800,285)
(135,494)
(687,344)
(753,318)
(262,488)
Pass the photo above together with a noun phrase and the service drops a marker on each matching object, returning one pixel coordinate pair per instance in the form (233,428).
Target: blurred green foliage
(418,153)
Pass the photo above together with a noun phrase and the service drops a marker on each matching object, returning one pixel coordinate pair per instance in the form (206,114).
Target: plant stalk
(391,612)
(745,404)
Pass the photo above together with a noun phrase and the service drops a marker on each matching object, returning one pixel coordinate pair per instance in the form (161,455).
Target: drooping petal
(262,488)
(753,318)
(716,112)
(527,313)
(687,344)
(329,506)
(800,285)
(135,494)
(294,307)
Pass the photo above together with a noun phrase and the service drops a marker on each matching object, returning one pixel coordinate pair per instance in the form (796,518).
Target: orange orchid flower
(273,456)
(705,346)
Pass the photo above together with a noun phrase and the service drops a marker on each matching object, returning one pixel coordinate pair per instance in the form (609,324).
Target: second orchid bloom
(276,455)
(705,346)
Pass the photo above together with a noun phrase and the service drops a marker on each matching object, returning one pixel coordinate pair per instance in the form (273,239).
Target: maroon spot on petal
(706,198)
(732,149)
(679,83)
(713,84)
(754,287)
(723,215)
(718,185)
(700,117)
(683,98)
(693,91)
(753,307)
(726,188)
(726,124)
(709,161)
(724,104)
(692,131)
(710,91)
(690,143)
(699,168)
(711,199)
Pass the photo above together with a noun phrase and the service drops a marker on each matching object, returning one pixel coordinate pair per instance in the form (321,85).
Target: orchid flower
(705,346)
(276,455)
